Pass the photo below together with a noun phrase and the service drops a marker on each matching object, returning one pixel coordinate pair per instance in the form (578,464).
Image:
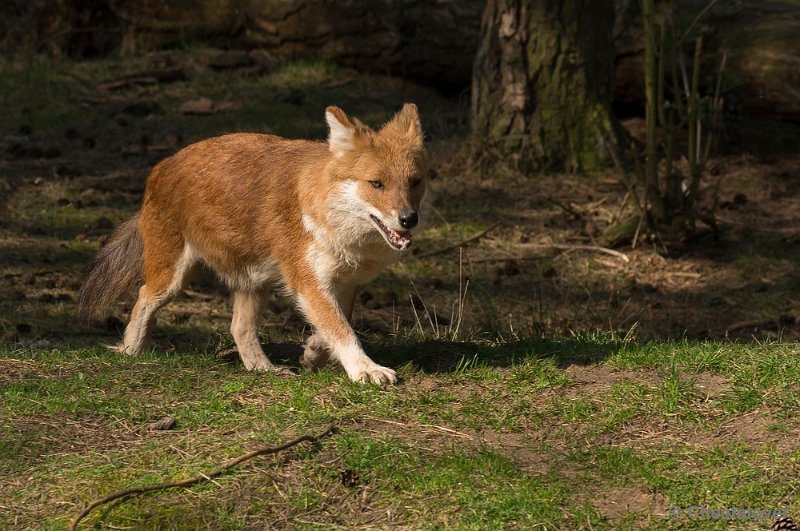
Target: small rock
(166,423)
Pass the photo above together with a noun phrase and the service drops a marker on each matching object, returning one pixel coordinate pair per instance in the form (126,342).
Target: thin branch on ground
(443,429)
(578,247)
(133,491)
(500,259)
(459,244)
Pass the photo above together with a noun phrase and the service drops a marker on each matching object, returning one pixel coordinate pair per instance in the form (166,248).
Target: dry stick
(449,431)
(570,247)
(498,259)
(460,244)
(201,477)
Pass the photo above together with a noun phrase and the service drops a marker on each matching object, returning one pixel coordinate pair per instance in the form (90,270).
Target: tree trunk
(541,89)
(430,41)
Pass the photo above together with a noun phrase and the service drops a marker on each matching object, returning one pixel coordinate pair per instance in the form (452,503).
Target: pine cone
(785,524)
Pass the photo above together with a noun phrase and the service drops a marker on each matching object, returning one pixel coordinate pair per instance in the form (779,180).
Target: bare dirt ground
(76,154)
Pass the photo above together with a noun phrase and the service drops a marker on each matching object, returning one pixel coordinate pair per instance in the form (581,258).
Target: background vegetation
(548,379)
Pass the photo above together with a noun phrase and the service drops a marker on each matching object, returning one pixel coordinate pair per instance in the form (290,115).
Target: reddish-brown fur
(263,211)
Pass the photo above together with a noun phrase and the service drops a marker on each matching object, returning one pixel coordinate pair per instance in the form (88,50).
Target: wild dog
(311,219)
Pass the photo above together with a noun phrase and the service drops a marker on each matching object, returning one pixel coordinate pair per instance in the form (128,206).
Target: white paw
(376,374)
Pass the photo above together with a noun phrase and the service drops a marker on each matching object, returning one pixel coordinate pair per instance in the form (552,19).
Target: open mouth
(398,240)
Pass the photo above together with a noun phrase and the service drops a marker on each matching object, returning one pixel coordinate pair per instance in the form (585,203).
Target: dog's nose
(409,219)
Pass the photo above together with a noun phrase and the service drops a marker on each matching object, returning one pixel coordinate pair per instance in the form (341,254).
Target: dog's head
(378,173)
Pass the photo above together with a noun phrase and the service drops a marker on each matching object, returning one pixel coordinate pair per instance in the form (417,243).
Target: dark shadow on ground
(437,356)
(441,357)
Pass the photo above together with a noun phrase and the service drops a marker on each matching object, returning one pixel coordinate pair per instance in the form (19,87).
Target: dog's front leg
(316,352)
(331,324)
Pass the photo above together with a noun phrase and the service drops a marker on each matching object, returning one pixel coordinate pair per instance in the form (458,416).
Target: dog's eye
(376,184)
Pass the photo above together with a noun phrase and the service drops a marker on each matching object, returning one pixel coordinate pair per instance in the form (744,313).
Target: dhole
(311,219)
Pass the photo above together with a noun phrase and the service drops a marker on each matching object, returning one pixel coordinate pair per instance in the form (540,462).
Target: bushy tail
(115,270)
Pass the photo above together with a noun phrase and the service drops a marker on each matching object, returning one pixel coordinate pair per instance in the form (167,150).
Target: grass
(511,435)
(526,399)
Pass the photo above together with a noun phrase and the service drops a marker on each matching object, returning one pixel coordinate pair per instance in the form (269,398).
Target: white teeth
(398,240)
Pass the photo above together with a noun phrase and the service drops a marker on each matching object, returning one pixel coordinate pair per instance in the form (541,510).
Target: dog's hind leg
(315,353)
(166,274)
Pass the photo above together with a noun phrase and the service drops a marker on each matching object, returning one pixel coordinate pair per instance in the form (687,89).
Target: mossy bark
(541,89)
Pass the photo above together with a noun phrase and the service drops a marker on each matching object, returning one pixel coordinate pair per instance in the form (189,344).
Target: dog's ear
(341,139)
(406,123)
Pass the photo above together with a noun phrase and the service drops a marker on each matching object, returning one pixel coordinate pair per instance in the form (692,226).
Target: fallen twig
(498,259)
(460,244)
(200,477)
(448,431)
(578,247)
